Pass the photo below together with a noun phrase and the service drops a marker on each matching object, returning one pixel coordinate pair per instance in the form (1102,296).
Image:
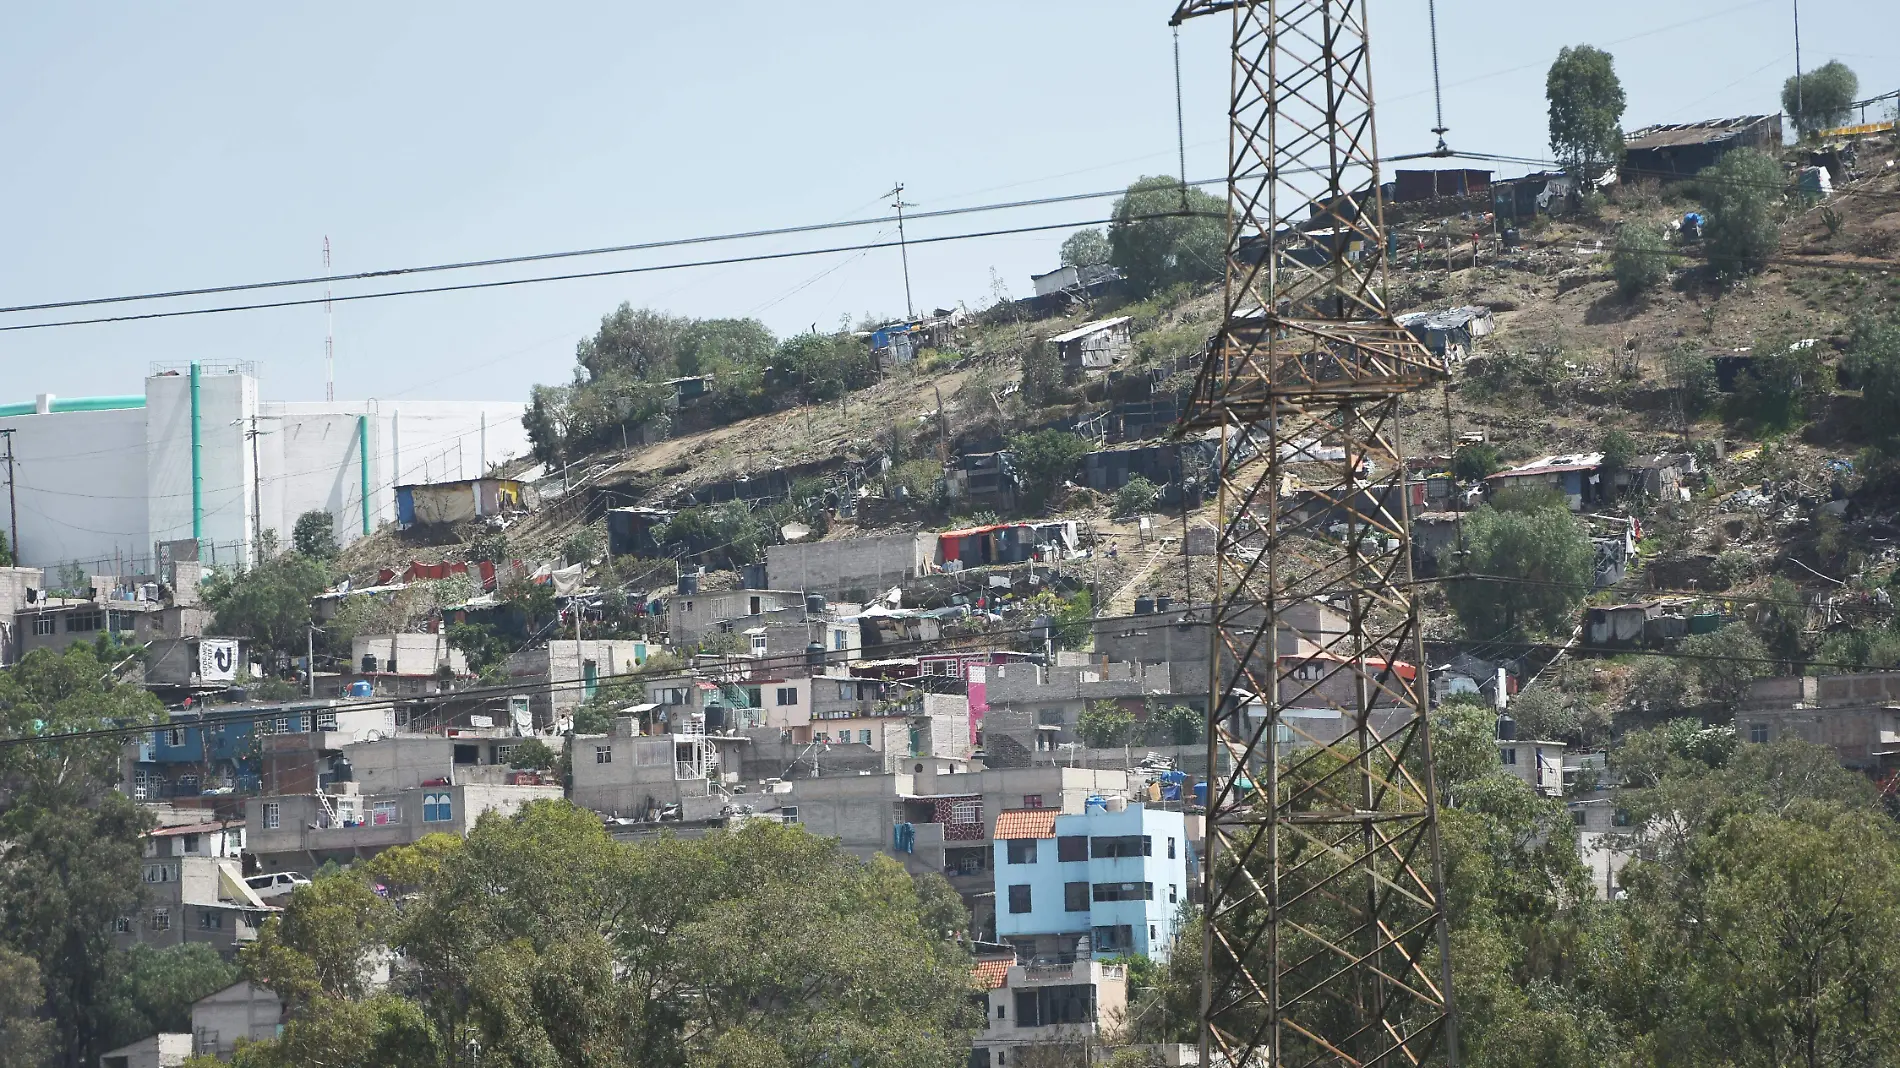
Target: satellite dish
(373,736)
(795,531)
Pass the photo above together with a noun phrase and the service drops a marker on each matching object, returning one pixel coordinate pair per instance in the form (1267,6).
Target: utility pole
(1800,108)
(903,249)
(309,660)
(257,496)
(13,506)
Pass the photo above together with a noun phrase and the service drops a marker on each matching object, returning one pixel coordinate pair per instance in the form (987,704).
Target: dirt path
(1123,602)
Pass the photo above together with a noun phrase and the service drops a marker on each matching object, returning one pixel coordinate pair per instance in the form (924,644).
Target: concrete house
(573,670)
(1857,716)
(200,899)
(242,1011)
(1046,1004)
(1107,881)
(692,616)
(850,569)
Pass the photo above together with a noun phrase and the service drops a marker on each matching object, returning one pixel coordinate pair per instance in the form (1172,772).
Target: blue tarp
(903,838)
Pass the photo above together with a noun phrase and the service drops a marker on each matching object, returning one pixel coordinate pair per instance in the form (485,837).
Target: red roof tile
(1026,823)
(990,974)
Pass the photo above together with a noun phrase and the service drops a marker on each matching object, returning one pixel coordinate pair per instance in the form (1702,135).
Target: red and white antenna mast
(329,330)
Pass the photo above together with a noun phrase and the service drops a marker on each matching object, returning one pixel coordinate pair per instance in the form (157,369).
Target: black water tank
(815,657)
(369,663)
(1163,602)
(814,604)
(1507,728)
(689,584)
(1144,605)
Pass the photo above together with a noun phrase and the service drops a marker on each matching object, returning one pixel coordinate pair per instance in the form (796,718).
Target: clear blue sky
(180,145)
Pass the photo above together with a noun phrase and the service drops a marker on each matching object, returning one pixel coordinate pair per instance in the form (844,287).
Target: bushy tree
(1104,724)
(1042,374)
(6,551)
(1085,248)
(1476,462)
(1691,374)
(534,754)
(1137,495)
(1525,569)
(152,989)
(1742,196)
(826,366)
(1156,246)
(1726,662)
(1818,99)
(1872,362)
(1618,449)
(26,1038)
(270,603)
(1639,259)
(1586,111)
(1176,725)
(1043,460)
(692,952)
(315,535)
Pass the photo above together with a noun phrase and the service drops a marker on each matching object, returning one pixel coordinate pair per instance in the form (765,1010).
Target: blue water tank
(360,688)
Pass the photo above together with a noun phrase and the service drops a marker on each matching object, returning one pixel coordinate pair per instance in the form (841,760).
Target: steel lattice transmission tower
(1325,938)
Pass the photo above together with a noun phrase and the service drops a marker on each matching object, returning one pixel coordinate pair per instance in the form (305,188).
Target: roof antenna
(1438,96)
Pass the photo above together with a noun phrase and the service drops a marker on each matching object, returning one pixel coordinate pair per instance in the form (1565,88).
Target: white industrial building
(101,480)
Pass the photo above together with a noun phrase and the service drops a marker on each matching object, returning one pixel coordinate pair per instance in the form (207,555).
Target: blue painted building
(218,750)
(1118,878)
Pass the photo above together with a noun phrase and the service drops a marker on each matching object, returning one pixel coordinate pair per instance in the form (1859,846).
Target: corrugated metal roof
(1026,823)
(1670,135)
(1086,329)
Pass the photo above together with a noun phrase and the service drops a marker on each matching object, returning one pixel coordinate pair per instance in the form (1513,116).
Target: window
(1124,891)
(966,811)
(1170,847)
(122,621)
(1049,717)
(1577,816)
(670,695)
(758,645)
(1075,897)
(383,813)
(1622,817)
(1758,732)
(1022,850)
(787,695)
(175,737)
(1151,932)
(122,925)
(158,873)
(161,919)
(43,625)
(1072,847)
(504,754)
(1510,756)
(603,754)
(437,808)
(999,1012)
(1127,845)
(283,724)
(788,815)
(847,691)
(1018,899)
(273,814)
(1174,893)
(864,737)
(192,842)
(210,921)
(1032,800)
(325,721)
(85,622)
(1119,938)
(838,641)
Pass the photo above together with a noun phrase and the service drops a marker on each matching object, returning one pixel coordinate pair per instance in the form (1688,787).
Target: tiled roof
(992,973)
(1026,823)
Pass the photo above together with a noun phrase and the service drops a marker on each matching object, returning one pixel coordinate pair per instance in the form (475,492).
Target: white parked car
(276,884)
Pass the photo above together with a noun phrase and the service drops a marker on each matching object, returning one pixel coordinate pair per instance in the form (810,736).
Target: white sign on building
(217,659)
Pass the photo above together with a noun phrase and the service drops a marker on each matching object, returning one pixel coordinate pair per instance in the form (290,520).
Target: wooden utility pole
(13,507)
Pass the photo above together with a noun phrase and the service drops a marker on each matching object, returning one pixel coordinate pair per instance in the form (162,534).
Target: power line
(580,275)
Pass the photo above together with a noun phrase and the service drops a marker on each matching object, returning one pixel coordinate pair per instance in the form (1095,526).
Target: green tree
(1543,711)
(1176,725)
(1639,259)
(1691,374)
(479,645)
(664,952)
(1104,724)
(1661,687)
(6,551)
(1042,374)
(1819,99)
(1872,362)
(1086,248)
(270,603)
(1618,449)
(1043,460)
(25,1038)
(152,989)
(1726,662)
(826,366)
(1523,570)
(1476,462)
(1156,246)
(534,754)
(1586,111)
(1137,495)
(315,535)
(71,860)
(1742,195)
(731,534)
(644,344)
